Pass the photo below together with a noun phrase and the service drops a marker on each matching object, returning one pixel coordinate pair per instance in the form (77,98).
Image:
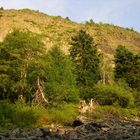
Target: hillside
(57,30)
(77,97)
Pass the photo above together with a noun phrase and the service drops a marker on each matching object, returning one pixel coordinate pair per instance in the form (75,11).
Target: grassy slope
(56,30)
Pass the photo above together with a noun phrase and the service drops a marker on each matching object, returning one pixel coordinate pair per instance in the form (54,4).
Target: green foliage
(6,112)
(1,8)
(133,77)
(60,81)
(104,111)
(23,62)
(130,29)
(90,22)
(86,58)
(25,116)
(19,115)
(112,95)
(17,51)
(64,113)
(67,18)
(137,98)
(127,67)
(123,58)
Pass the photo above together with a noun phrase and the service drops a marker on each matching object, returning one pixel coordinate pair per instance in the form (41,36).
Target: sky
(125,13)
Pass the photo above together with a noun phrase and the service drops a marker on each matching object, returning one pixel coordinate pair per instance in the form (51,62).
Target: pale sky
(125,13)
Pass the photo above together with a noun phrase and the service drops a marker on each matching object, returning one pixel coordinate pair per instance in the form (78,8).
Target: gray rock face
(107,129)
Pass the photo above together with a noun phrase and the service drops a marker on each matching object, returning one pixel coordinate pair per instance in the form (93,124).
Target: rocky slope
(107,129)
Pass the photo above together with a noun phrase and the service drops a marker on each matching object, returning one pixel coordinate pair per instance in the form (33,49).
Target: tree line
(26,65)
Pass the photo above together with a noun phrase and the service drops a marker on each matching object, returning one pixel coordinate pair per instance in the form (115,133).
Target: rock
(15,133)
(48,138)
(24,134)
(77,123)
(32,138)
(107,129)
(94,124)
(38,133)
(2,138)
(14,138)
(43,133)
(6,134)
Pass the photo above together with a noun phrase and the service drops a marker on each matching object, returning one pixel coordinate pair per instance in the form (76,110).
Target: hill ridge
(58,30)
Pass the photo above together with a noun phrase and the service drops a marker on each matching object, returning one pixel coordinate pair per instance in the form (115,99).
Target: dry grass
(57,30)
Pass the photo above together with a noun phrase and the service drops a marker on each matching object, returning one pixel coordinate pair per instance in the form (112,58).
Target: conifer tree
(123,60)
(127,67)
(60,81)
(86,58)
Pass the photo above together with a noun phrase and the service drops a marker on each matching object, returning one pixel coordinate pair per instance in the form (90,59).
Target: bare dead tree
(39,98)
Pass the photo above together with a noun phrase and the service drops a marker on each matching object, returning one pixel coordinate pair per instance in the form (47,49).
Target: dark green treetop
(86,58)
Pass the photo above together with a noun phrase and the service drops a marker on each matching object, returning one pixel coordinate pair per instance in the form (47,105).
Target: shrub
(26,116)
(103,111)
(64,113)
(1,8)
(19,115)
(6,112)
(112,95)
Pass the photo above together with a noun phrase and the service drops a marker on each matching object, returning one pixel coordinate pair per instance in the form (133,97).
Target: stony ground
(107,129)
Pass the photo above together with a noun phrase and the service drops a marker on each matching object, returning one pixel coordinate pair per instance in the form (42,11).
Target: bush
(1,8)
(27,116)
(64,113)
(103,111)
(6,112)
(112,95)
(19,115)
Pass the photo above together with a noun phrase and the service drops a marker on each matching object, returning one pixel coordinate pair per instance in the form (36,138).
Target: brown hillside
(57,30)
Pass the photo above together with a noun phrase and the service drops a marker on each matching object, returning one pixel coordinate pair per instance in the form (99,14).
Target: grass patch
(106,111)
(30,21)
(65,113)
(19,115)
(24,116)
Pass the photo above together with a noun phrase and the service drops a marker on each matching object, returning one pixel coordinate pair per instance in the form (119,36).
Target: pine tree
(86,58)
(60,81)
(133,74)
(127,67)
(123,60)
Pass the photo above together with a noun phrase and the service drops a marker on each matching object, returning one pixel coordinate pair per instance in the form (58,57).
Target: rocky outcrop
(107,129)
